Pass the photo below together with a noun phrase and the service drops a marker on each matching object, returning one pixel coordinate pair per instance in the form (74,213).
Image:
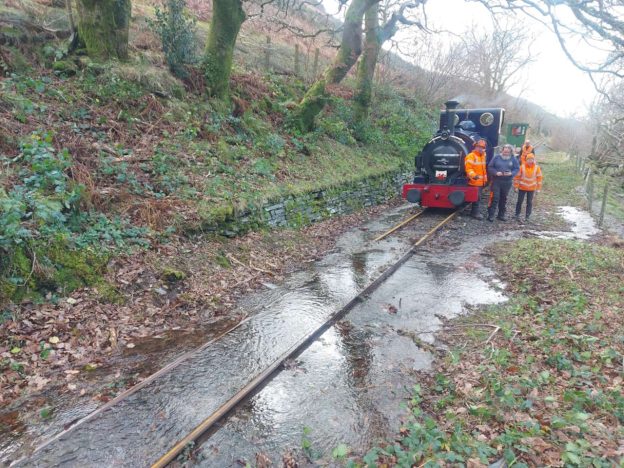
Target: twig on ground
(238,262)
(569,271)
(474,325)
(246,280)
(492,335)
(32,270)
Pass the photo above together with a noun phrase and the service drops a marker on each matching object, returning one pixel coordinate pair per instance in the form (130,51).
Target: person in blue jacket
(501,170)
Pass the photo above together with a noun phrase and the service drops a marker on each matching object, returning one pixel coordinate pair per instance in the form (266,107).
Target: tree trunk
(367,65)
(227,18)
(103,27)
(348,53)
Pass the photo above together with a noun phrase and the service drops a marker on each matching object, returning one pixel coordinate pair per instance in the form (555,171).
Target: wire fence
(264,54)
(601,191)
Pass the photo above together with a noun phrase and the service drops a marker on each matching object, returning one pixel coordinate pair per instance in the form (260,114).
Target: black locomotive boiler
(440,180)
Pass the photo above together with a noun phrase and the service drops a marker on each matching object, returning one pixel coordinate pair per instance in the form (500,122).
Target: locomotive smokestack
(450,115)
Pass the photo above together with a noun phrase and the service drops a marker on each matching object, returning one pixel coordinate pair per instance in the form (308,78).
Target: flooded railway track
(400,225)
(159,403)
(262,378)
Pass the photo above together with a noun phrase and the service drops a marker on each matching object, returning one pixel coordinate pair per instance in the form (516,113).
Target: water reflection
(349,386)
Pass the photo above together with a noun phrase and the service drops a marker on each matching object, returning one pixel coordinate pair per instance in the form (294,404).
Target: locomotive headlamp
(486,119)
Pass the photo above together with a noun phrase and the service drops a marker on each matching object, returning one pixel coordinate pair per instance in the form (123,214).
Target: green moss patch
(37,269)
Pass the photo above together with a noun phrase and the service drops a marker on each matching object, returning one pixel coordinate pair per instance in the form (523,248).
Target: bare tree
(438,63)
(607,117)
(350,49)
(495,59)
(576,23)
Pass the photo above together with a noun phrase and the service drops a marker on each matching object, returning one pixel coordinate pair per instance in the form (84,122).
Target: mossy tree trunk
(374,38)
(227,18)
(348,53)
(103,27)
(367,64)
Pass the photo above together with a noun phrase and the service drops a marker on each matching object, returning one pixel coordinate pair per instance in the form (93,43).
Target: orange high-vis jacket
(528,178)
(475,166)
(526,149)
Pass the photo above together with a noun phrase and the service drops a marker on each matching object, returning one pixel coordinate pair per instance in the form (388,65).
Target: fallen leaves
(391,309)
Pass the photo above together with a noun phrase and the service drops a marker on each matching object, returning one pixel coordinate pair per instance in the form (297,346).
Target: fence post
(267,54)
(297,59)
(315,65)
(590,190)
(604,204)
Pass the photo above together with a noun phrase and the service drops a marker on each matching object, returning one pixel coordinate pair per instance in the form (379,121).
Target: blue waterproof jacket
(498,164)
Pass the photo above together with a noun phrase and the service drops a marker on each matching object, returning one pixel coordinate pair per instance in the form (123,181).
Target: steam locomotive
(440,180)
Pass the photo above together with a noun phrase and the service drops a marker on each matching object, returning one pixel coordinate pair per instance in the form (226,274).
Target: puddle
(582,225)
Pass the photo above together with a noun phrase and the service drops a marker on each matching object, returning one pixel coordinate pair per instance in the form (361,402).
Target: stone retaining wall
(305,208)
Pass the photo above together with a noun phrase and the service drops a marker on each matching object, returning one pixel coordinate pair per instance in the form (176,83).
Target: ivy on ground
(47,242)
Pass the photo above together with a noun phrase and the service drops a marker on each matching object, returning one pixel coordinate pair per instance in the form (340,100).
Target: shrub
(176,29)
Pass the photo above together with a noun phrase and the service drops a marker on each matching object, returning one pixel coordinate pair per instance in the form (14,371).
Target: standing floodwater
(348,386)
(137,430)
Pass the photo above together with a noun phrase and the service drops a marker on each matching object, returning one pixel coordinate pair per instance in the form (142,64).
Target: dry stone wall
(309,207)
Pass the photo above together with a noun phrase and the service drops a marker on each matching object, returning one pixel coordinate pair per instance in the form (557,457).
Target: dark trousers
(529,203)
(500,189)
(474,210)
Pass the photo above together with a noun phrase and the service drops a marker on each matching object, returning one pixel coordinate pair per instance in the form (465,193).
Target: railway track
(80,439)
(265,376)
(400,225)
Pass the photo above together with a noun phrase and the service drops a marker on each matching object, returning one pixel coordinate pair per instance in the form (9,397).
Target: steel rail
(265,376)
(400,225)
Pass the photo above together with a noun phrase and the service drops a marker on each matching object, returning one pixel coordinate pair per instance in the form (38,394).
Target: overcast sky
(551,81)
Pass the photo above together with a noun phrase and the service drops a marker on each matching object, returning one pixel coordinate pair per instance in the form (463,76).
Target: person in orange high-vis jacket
(527,183)
(526,149)
(476,172)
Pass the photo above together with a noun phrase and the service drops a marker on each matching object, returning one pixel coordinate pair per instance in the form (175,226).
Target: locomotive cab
(440,179)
